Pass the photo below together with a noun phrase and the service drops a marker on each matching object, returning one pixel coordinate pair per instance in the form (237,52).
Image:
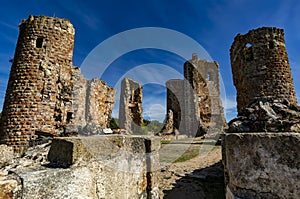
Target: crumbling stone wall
(99,102)
(45,91)
(130,110)
(195,101)
(260,67)
(203,77)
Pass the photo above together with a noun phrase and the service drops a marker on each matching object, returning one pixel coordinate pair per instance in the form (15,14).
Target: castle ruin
(261,147)
(260,67)
(195,101)
(45,91)
(48,97)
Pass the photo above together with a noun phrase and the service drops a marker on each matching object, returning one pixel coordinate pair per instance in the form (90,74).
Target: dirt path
(199,177)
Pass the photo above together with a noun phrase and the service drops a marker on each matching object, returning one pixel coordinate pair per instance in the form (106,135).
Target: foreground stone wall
(130,109)
(93,167)
(260,67)
(45,91)
(263,165)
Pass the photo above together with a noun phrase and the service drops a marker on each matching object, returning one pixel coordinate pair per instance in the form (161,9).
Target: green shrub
(113,123)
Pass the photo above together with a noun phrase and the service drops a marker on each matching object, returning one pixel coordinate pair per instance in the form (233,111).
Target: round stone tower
(260,67)
(39,79)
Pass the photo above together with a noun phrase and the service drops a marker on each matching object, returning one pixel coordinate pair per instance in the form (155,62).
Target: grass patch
(165,141)
(189,154)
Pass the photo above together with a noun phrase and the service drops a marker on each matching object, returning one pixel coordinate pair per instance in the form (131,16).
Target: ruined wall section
(260,67)
(130,110)
(203,77)
(39,79)
(175,100)
(195,101)
(194,74)
(78,116)
(100,100)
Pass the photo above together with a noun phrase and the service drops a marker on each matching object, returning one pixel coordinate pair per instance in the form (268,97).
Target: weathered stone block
(69,150)
(263,165)
(6,155)
(66,151)
(112,166)
(10,186)
(59,183)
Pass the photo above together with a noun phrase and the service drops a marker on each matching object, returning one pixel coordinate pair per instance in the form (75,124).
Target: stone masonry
(260,67)
(266,96)
(45,91)
(261,146)
(130,110)
(195,101)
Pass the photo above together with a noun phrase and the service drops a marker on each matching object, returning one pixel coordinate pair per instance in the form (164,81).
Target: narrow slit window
(69,116)
(271,44)
(39,42)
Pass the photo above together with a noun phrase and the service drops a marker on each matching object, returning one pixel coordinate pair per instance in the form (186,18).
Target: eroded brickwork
(39,82)
(45,91)
(260,67)
(99,103)
(130,110)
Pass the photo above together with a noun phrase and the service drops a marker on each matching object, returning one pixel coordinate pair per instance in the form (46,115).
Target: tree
(113,123)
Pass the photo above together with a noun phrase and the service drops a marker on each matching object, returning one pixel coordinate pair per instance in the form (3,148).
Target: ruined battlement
(48,22)
(260,67)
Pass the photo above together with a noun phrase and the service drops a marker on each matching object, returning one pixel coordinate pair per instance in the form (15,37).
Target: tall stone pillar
(130,111)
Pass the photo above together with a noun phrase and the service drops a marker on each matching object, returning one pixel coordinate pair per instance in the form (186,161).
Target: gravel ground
(199,177)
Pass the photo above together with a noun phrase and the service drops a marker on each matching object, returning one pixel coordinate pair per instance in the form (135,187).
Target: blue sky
(213,24)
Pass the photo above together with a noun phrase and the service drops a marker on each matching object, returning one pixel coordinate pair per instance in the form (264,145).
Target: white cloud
(230,107)
(229,103)
(155,112)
